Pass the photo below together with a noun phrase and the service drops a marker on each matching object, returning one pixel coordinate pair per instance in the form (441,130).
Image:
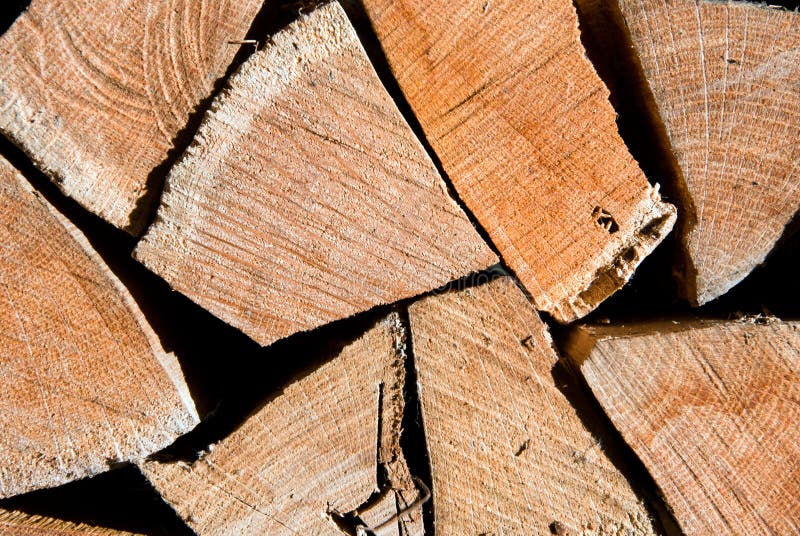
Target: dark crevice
(10,11)
(121,499)
(269,20)
(369,40)
(252,379)
(412,436)
(381,474)
(791,5)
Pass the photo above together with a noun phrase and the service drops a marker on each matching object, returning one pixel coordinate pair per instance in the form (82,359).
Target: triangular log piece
(311,456)
(96,92)
(713,411)
(15,523)
(524,129)
(85,381)
(725,79)
(306,197)
(508,452)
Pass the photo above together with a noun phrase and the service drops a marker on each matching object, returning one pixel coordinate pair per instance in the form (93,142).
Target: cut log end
(657,221)
(509,453)
(86,382)
(528,139)
(287,214)
(102,90)
(723,79)
(309,458)
(706,406)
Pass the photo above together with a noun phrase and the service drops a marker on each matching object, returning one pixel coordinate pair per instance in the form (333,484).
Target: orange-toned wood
(523,127)
(508,452)
(84,380)
(713,411)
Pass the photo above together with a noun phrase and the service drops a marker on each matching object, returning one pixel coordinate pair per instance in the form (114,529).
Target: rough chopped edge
(654,227)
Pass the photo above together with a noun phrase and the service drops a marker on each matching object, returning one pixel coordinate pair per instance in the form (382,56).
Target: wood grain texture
(509,454)
(16,523)
(713,411)
(311,451)
(85,381)
(96,92)
(523,127)
(306,198)
(725,80)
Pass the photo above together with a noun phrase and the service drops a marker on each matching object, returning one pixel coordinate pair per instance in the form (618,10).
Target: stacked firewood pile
(366,268)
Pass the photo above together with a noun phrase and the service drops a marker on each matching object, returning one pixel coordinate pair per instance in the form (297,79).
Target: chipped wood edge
(656,221)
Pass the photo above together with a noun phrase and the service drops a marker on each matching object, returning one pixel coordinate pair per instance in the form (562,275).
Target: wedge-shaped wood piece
(96,92)
(85,381)
(725,79)
(509,454)
(713,411)
(306,197)
(16,523)
(523,127)
(308,456)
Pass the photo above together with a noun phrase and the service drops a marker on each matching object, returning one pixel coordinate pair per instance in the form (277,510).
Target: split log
(15,523)
(523,127)
(725,81)
(311,455)
(85,381)
(305,197)
(713,411)
(509,454)
(97,92)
